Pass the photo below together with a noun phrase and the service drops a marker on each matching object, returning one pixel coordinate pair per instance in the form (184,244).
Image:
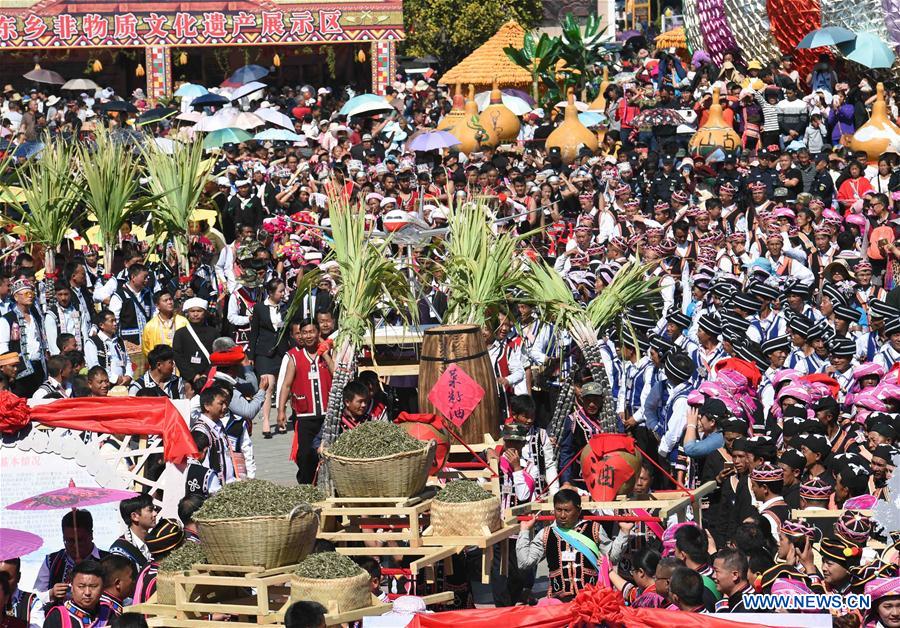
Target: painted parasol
(72,497)
(658,117)
(17,543)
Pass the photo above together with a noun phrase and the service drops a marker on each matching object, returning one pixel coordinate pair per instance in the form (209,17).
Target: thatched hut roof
(489,61)
(675,38)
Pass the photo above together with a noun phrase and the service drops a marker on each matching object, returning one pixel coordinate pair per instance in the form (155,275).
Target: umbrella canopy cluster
(867,49)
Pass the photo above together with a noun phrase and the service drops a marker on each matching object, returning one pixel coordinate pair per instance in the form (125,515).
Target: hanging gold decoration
(182,58)
(276,61)
(97,66)
(361,56)
(139,70)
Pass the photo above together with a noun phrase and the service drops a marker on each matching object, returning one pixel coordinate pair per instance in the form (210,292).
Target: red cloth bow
(231,357)
(14,412)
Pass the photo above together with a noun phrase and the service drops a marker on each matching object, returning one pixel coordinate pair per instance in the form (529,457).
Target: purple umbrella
(626,35)
(433,140)
(72,497)
(17,543)
(511,91)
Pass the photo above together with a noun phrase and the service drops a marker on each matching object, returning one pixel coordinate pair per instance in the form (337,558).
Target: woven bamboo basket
(465,518)
(399,475)
(165,587)
(267,542)
(338,595)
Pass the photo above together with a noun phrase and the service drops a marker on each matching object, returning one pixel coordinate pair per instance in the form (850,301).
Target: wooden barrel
(461,345)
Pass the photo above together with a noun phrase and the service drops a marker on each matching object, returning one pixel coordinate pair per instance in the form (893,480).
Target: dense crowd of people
(767,365)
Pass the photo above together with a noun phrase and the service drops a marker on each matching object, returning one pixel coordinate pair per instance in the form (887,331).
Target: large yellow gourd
(471,135)
(571,134)
(501,124)
(716,133)
(456,113)
(879,134)
(599,103)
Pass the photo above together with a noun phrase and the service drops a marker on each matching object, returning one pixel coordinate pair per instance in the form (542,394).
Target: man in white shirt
(59,369)
(107,349)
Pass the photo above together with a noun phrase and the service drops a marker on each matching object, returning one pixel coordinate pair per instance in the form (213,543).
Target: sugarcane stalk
(598,372)
(563,409)
(345,367)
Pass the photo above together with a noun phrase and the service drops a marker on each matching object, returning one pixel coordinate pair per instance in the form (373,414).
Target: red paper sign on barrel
(609,466)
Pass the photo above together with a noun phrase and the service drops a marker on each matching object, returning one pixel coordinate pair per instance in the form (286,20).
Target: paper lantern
(468,130)
(716,133)
(717,34)
(456,113)
(791,20)
(750,25)
(879,134)
(692,26)
(571,134)
(500,123)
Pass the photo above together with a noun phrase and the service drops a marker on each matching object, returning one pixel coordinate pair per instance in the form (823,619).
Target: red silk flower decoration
(14,412)
(600,605)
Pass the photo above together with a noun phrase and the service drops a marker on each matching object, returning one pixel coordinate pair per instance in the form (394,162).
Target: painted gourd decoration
(500,123)
(715,133)
(571,134)
(471,135)
(879,134)
(599,103)
(456,113)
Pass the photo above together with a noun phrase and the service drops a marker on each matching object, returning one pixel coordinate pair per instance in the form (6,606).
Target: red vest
(309,394)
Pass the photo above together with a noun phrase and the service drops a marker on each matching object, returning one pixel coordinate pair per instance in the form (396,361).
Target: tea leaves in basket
(185,557)
(462,491)
(327,566)
(256,498)
(374,439)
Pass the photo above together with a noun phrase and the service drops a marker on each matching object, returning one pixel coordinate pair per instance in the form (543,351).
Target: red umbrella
(72,497)
(17,543)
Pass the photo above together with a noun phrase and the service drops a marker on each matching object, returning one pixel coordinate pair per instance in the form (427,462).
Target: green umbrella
(219,138)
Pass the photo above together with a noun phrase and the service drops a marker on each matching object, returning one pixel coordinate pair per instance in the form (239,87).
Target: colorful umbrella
(869,50)
(366,105)
(657,117)
(515,104)
(433,140)
(273,116)
(827,36)
(247,74)
(248,89)
(72,497)
(592,118)
(39,75)
(362,99)
(279,135)
(17,543)
(209,100)
(190,91)
(221,137)
(80,84)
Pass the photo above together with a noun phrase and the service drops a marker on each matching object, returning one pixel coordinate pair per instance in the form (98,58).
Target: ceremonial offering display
(179,561)
(334,581)
(359,457)
(715,133)
(571,135)
(463,508)
(878,135)
(469,130)
(258,523)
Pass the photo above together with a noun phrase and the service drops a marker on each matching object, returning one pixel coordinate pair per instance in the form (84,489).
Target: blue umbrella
(869,50)
(357,101)
(279,135)
(209,100)
(247,74)
(27,150)
(191,91)
(592,118)
(433,140)
(827,36)
(225,136)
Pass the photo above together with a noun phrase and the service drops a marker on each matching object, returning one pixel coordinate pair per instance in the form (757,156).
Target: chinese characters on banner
(154,29)
(456,395)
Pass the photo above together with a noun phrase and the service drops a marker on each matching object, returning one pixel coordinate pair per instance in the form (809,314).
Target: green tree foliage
(451,29)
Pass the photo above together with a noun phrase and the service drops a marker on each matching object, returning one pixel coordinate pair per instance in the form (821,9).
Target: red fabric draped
(591,606)
(110,415)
